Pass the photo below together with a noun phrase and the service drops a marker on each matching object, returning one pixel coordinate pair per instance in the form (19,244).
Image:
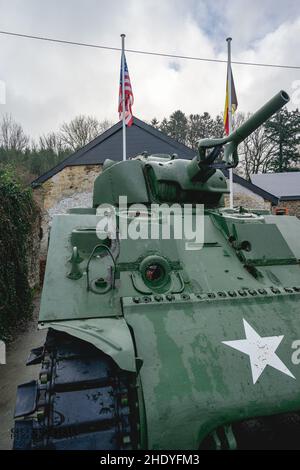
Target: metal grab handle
(181,289)
(112,282)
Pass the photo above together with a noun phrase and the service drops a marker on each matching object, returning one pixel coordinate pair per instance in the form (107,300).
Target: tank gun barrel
(201,166)
(259,117)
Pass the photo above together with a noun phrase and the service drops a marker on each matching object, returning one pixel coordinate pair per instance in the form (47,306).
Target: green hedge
(17,212)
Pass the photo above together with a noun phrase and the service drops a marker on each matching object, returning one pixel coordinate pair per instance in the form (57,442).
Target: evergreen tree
(178,126)
(189,130)
(194,130)
(283,130)
(218,127)
(164,126)
(155,123)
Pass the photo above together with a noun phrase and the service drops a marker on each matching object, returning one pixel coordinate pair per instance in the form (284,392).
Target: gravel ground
(14,372)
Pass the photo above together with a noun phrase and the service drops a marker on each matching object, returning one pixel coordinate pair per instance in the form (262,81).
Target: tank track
(81,401)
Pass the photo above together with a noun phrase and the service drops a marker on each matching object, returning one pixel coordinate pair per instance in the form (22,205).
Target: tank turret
(168,179)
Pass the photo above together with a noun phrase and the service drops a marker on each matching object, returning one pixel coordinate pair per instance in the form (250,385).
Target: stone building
(284,186)
(249,195)
(70,184)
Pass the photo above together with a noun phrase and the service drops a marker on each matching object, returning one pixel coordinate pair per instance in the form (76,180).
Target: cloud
(49,83)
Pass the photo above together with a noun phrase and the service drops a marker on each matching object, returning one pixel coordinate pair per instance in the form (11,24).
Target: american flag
(128,96)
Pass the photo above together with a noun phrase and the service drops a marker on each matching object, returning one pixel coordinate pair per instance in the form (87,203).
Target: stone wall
(292,206)
(70,180)
(246,198)
(71,187)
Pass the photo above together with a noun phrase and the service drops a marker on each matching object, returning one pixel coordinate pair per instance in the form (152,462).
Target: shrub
(17,212)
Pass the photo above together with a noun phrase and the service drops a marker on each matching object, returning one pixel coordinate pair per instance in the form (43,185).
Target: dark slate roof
(286,186)
(140,137)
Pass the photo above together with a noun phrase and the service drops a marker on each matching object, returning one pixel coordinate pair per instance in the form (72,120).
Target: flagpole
(123,96)
(229,82)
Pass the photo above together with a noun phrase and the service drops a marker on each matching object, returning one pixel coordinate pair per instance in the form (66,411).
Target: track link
(82,400)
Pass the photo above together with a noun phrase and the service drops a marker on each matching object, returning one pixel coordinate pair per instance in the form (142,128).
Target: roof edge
(290,198)
(252,187)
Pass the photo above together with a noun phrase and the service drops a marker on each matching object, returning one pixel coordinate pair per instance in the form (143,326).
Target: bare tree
(256,152)
(52,141)
(12,136)
(81,130)
(104,125)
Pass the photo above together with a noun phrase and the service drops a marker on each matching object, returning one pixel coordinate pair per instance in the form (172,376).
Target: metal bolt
(275,290)
(170,297)
(211,295)
(185,296)
(262,291)
(232,293)
(124,401)
(243,293)
(43,378)
(252,292)
(126,440)
(40,414)
(222,294)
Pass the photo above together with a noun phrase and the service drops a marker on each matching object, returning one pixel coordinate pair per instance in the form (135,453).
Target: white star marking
(261,351)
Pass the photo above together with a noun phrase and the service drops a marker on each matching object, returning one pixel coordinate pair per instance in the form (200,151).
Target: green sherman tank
(168,342)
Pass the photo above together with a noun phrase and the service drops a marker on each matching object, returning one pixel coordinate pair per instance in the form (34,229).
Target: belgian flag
(234,101)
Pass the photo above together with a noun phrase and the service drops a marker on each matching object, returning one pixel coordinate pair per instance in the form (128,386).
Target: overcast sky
(47,84)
